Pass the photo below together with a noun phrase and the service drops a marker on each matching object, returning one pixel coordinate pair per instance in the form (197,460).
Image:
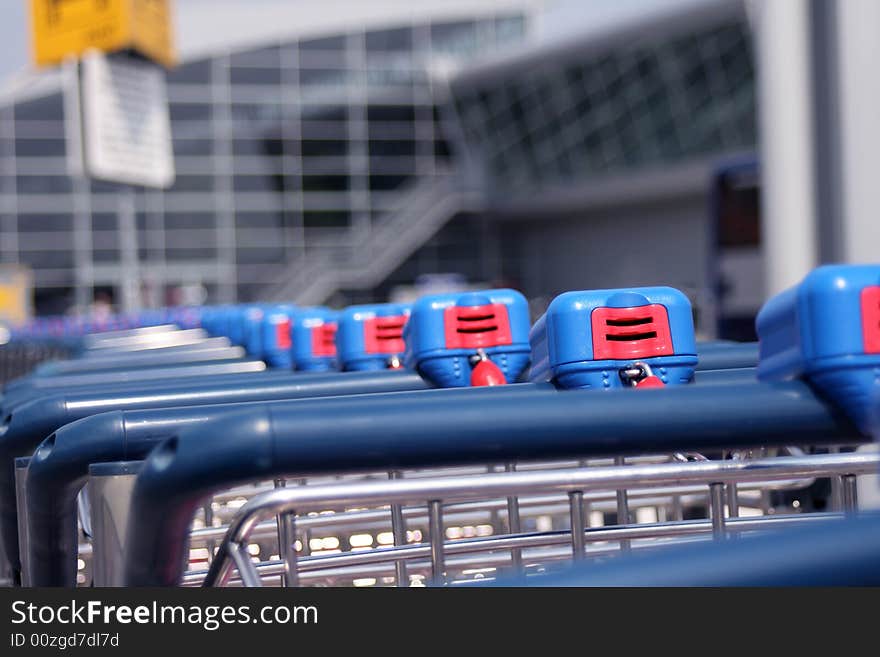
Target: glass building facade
(282,150)
(652,95)
(299,159)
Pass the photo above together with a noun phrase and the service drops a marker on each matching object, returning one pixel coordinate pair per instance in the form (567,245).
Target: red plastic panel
(384,335)
(473,327)
(870,299)
(626,333)
(282,334)
(324,340)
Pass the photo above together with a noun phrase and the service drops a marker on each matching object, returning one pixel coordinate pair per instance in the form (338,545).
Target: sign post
(116,104)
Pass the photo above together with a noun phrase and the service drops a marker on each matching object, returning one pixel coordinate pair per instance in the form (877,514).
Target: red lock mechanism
(640,375)
(485,372)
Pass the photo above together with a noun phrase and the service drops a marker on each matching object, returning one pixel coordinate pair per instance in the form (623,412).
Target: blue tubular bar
(829,553)
(20,396)
(429,430)
(31,422)
(712,357)
(59,466)
(84,365)
(726,377)
(101,355)
(136,374)
(64,459)
(721,356)
(139,374)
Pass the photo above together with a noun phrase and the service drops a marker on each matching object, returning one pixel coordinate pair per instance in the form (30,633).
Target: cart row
(447,442)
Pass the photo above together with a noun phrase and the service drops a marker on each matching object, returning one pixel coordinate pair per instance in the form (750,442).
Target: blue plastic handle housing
(368,336)
(586,338)
(826,330)
(445,331)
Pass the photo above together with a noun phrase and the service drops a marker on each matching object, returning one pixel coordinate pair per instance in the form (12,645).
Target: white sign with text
(125,120)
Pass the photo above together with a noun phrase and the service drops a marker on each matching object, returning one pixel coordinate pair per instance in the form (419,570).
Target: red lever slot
(384,335)
(282,334)
(870,299)
(626,333)
(473,327)
(324,340)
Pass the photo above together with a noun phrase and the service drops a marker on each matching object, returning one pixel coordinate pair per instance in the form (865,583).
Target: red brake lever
(487,373)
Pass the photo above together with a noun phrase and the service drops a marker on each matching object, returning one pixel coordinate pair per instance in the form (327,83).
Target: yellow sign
(15,294)
(64,28)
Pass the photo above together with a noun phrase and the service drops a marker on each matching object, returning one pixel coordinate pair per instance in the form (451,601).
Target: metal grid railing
(454,526)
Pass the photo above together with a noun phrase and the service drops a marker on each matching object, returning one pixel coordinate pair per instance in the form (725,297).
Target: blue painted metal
(138,360)
(252,320)
(232,324)
(272,439)
(428,348)
(566,338)
(114,386)
(175,372)
(216,320)
(276,336)
(60,463)
(827,331)
(726,356)
(22,431)
(115,468)
(827,553)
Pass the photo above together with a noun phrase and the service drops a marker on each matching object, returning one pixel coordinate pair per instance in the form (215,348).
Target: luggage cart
(91,403)
(102,436)
(43,483)
(470,361)
(617,422)
(34,420)
(440,417)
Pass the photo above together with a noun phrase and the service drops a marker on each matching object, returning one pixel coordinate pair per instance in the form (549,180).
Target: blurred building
(341,163)
(283,149)
(596,156)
